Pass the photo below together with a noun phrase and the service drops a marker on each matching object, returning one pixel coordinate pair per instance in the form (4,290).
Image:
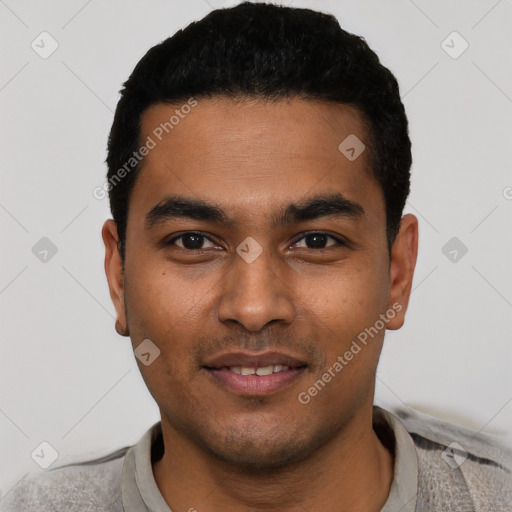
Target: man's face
(211,301)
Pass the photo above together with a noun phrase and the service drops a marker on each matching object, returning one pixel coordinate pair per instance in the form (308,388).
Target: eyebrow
(334,205)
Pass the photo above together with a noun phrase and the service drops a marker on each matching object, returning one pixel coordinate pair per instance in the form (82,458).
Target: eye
(191,241)
(319,240)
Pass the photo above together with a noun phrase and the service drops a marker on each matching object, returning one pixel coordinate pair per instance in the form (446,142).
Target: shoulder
(457,464)
(94,485)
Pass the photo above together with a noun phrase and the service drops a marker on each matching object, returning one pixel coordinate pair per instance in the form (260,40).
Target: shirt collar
(139,490)
(141,494)
(404,488)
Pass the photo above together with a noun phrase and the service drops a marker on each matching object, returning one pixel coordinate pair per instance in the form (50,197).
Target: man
(258,168)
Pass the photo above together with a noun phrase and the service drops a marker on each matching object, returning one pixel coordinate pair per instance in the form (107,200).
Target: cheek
(171,312)
(158,298)
(346,297)
(158,311)
(343,308)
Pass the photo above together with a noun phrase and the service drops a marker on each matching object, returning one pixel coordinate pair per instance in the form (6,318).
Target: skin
(229,452)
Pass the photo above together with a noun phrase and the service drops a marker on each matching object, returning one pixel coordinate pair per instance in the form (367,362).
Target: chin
(252,459)
(255,450)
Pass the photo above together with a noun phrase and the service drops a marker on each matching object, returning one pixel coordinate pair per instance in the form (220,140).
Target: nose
(255,294)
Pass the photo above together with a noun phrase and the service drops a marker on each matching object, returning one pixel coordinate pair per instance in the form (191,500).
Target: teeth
(263,370)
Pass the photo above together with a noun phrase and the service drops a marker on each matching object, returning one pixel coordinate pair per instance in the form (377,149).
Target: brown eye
(191,241)
(318,241)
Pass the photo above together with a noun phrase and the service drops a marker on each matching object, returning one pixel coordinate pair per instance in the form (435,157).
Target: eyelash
(339,242)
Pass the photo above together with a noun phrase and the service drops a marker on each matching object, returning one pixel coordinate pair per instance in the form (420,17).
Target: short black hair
(269,52)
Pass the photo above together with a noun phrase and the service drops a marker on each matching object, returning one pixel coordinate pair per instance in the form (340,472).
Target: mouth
(253,375)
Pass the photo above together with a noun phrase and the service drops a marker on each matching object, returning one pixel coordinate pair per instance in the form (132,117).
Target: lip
(250,359)
(255,385)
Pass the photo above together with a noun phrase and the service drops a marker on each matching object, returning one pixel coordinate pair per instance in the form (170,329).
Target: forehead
(287,127)
(252,152)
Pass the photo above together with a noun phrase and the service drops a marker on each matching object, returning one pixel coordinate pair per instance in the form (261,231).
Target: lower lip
(254,385)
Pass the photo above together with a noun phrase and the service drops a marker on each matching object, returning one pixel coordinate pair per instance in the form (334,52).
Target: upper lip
(251,359)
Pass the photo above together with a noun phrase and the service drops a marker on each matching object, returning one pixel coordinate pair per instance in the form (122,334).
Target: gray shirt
(438,467)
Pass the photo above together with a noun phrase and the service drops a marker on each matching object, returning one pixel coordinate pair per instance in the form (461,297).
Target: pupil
(317,241)
(193,241)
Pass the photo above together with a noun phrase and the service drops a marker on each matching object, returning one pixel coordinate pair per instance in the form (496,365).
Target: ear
(403,261)
(115,274)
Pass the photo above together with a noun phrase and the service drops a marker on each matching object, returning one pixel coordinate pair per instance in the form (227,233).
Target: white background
(68,379)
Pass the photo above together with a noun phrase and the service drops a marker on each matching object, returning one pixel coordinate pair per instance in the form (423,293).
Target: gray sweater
(438,467)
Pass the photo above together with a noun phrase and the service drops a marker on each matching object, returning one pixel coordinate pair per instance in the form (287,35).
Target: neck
(353,472)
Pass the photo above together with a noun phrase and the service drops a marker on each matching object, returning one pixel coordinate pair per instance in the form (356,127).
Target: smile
(260,370)
(255,381)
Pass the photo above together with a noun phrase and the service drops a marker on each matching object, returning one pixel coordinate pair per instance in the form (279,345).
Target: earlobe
(114,273)
(403,262)
(121,330)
